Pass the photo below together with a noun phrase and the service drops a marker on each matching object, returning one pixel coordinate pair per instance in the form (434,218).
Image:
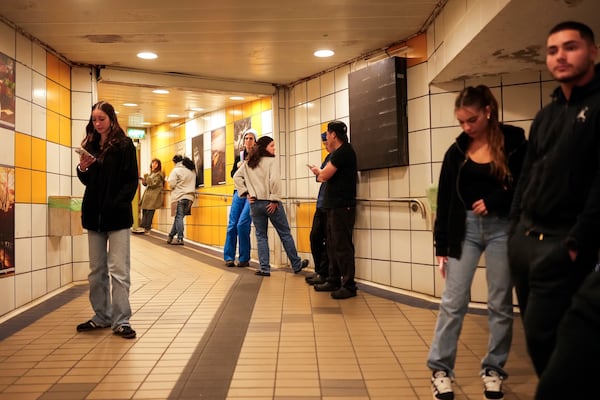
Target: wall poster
(7,221)
(239,127)
(198,157)
(217,152)
(7,92)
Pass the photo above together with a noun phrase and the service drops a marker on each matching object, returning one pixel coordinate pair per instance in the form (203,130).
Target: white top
(262,182)
(182,182)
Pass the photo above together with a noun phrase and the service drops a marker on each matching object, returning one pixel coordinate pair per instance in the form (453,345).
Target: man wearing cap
(340,202)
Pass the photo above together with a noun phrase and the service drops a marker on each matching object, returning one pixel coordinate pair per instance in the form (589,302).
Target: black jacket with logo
(559,191)
(449,229)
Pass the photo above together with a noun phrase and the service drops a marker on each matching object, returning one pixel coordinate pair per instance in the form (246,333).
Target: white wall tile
(419,147)
(65,162)
(342,108)
(363,269)
(7,144)
(442,110)
(7,40)
(39,59)
(52,157)
(300,117)
(379,183)
(313,109)
(521,101)
(39,283)
(422,278)
(53,251)
(313,89)
(421,244)
(380,238)
(327,84)
(341,78)
(22,255)
(418,114)
(23,80)
(81,80)
(38,121)
(22,289)
(23,50)
(521,77)
(328,108)
(399,216)
(22,220)
(400,249)
(417,84)
(53,279)
(362,243)
(420,179)
(7,294)
(39,214)
(400,275)
(64,185)
(380,215)
(66,274)
(53,184)
(81,105)
(399,182)
(441,140)
(38,257)
(23,116)
(381,272)
(81,271)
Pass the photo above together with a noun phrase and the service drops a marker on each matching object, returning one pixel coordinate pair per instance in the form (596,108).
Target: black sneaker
(262,273)
(89,326)
(125,331)
(303,265)
(177,242)
(326,287)
(441,386)
(492,385)
(243,264)
(229,264)
(169,240)
(316,279)
(343,293)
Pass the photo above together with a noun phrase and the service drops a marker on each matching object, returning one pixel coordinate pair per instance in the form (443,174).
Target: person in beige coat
(152,197)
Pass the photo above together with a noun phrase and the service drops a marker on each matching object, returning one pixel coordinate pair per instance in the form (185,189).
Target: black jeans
(545,280)
(569,373)
(147,216)
(340,248)
(317,242)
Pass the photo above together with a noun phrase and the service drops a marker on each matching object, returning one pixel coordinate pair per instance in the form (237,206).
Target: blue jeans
(489,234)
(110,266)
(177,228)
(260,217)
(238,226)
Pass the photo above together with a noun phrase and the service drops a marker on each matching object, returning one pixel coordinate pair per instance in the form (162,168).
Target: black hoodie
(559,191)
(449,230)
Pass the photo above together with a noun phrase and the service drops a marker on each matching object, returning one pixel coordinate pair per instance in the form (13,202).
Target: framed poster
(7,221)
(7,92)
(198,157)
(217,156)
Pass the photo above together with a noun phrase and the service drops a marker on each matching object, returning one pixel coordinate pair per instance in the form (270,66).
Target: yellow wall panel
(246,110)
(303,240)
(52,96)
(64,74)
(38,187)
(38,154)
(52,127)
(64,102)
(256,107)
(64,128)
(22,185)
(266,103)
(304,214)
(256,122)
(52,68)
(22,150)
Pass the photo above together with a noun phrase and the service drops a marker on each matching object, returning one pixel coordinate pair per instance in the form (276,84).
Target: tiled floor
(208,332)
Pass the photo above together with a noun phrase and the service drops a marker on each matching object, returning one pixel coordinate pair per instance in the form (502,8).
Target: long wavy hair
(481,97)
(117,135)
(158,165)
(259,151)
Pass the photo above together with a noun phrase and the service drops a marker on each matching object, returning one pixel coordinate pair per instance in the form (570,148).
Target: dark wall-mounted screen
(378,124)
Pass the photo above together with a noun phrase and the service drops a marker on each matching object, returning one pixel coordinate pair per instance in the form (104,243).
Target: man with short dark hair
(340,202)
(556,207)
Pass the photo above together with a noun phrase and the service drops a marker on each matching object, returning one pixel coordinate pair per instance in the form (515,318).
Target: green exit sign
(136,133)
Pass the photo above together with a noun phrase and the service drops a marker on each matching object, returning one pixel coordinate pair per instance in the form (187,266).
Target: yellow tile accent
(52,96)
(256,122)
(64,126)
(64,74)
(64,101)
(266,103)
(22,185)
(256,107)
(22,150)
(303,242)
(38,187)
(246,110)
(52,68)
(38,154)
(52,126)
(304,214)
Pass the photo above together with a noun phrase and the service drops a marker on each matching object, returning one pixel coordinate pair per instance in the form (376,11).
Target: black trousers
(545,281)
(340,248)
(318,242)
(569,373)
(147,216)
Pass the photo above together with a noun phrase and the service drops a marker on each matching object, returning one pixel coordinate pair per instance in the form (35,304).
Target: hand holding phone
(81,151)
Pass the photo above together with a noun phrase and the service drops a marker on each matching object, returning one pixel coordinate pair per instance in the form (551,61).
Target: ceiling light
(160,91)
(172,116)
(147,55)
(197,109)
(146,123)
(323,53)
(236,98)
(130,104)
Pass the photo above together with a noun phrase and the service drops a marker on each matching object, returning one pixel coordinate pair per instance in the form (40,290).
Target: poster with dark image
(239,127)
(217,156)
(7,221)
(198,156)
(7,92)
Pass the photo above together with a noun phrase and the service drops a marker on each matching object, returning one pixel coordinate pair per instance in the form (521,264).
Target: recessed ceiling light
(197,109)
(160,91)
(147,55)
(236,98)
(323,53)
(130,104)
(146,123)
(173,115)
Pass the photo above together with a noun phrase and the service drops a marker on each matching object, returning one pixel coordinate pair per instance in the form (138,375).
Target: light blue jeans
(488,234)
(110,266)
(260,217)
(238,227)
(177,228)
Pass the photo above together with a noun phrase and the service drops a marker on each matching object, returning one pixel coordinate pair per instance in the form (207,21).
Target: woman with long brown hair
(475,190)
(108,169)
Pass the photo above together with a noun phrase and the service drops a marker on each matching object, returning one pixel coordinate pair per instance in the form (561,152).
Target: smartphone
(309,166)
(82,151)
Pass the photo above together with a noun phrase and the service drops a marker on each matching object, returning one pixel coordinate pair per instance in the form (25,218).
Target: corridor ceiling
(211,50)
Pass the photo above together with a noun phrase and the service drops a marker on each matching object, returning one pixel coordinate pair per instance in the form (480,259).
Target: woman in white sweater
(258,179)
(182,181)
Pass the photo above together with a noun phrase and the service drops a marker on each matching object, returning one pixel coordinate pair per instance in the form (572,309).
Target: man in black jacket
(556,207)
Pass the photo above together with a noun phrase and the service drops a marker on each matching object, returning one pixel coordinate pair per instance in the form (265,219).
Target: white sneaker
(492,384)
(441,386)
